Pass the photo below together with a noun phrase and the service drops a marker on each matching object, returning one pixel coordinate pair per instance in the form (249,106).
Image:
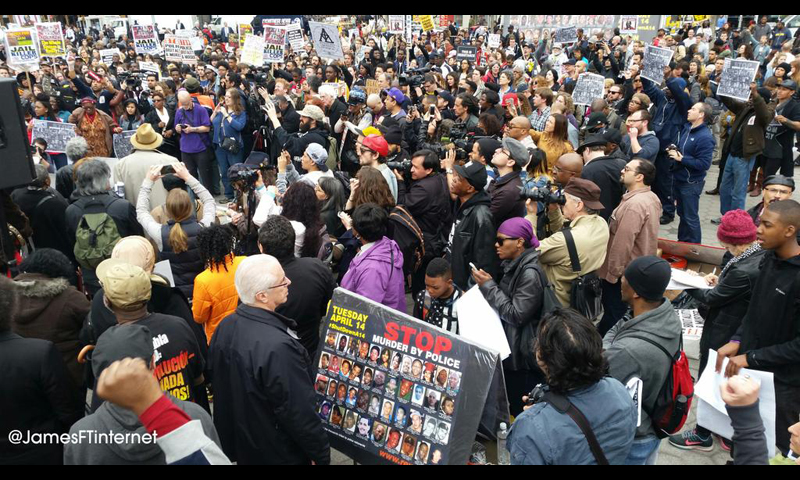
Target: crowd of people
(406,175)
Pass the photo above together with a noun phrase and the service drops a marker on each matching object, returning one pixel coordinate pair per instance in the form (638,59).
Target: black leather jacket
(518,299)
(473,240)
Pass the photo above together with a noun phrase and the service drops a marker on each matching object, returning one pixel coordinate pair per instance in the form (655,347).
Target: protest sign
(197,43)
(494,40)
(326,40)
(427,22)
(282,21)
(655,59)
(178,49)
(372,87)
(566,35)
(253,51)
(51,40)
(394,390)
(21,50)
(540,26)
(294,35)
(274,44)
(588,89)
(150,67)
(144,39)
(122,143)
(56,134)
(397,24)
(107,55)
(446,20)
(467,53)
(628,24)
(737,75)
(244,30)
(233,39)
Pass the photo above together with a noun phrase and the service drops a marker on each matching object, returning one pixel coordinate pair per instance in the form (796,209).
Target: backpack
(408,236)
(586,294)
(96,236)
(675,397)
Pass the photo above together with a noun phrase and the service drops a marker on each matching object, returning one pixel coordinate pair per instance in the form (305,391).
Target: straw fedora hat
(146,138)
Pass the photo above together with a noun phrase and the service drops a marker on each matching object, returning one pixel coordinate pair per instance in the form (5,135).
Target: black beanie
(649,277)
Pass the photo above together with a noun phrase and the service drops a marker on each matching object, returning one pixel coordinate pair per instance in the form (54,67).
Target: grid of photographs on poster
(387,399)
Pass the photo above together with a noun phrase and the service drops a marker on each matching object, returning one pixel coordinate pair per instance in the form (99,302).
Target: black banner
(394,390)
(467,53)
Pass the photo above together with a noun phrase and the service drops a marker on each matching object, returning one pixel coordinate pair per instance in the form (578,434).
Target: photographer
(426,196)
(466,110)
(509,160)
(312,130)
(570,353)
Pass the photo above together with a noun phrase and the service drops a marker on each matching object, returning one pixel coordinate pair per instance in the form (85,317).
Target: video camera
(414,77)
(542,194)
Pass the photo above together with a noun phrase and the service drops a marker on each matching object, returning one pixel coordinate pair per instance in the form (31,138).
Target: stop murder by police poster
(394,390)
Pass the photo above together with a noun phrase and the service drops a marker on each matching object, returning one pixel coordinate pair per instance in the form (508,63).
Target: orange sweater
(215,295)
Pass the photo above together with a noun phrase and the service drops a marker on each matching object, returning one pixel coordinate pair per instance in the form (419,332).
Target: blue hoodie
(697,146)
(668,114)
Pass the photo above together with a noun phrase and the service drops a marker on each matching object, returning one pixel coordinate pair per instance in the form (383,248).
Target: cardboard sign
(427,22)
(397,24)
(737,75)
(655,60)
(122,143)
(566,35)
(394,390)
(372,87)
(51,40)
(145,40)
(56,134)
(466,53)
(326,40)
(244,30)
(274,44)
(253,51)
(494,40)
(628,24)
(21,49)
(294,35)
(590,87)
(178,49)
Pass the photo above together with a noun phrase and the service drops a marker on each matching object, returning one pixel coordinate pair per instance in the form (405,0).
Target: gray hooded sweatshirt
(110,418)
(631,357)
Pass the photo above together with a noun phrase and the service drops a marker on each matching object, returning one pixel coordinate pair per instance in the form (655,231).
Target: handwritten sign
(253,51)
(494,40)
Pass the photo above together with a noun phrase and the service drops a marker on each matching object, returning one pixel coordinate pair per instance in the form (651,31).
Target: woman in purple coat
(377,270)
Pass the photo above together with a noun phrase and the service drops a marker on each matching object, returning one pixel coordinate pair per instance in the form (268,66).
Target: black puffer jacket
(727,303)
(518,299)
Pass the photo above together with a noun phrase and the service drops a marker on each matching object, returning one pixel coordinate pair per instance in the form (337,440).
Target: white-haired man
(263,377)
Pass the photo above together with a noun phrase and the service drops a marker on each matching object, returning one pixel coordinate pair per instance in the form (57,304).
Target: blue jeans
(226,160)
(733,189)
(644,451)
(688,197)
(663,186)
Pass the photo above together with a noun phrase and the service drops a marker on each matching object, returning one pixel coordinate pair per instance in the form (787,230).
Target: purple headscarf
(519,227)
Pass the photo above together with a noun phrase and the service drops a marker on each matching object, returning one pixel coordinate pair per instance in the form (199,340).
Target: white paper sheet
(164,269)
(479,322)
(711,412)
(682,280)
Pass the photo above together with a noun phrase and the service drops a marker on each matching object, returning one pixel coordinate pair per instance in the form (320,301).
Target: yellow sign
(427,22)
(675,22)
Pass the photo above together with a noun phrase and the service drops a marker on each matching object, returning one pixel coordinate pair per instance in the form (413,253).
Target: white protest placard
(274,44)
(566,35)
(197,43)
(178,49)
(51,39)
(655,60)
(494,40)
(628,24)
(737,75)
(21,51)
(294,35)
(107,55)
(253,51)
(144,39)
(589,88)
(326,40)
(397,24)
(150,67)
(478,322)
(711,412)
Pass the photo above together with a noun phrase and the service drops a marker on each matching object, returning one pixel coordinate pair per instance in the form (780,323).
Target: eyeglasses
(286,282)
(776,191)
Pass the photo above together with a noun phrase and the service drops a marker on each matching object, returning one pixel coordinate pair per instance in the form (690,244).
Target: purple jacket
(374,275)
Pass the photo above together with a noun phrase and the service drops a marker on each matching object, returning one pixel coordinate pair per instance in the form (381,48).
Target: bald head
(184,99)
(599,105)
(374,101)
(519,128)
(572,162)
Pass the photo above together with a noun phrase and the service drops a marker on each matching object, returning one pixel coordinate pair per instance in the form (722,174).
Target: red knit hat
(737,228)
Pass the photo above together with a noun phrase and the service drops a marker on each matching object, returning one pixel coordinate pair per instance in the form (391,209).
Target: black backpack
(586,294)
(408,236)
